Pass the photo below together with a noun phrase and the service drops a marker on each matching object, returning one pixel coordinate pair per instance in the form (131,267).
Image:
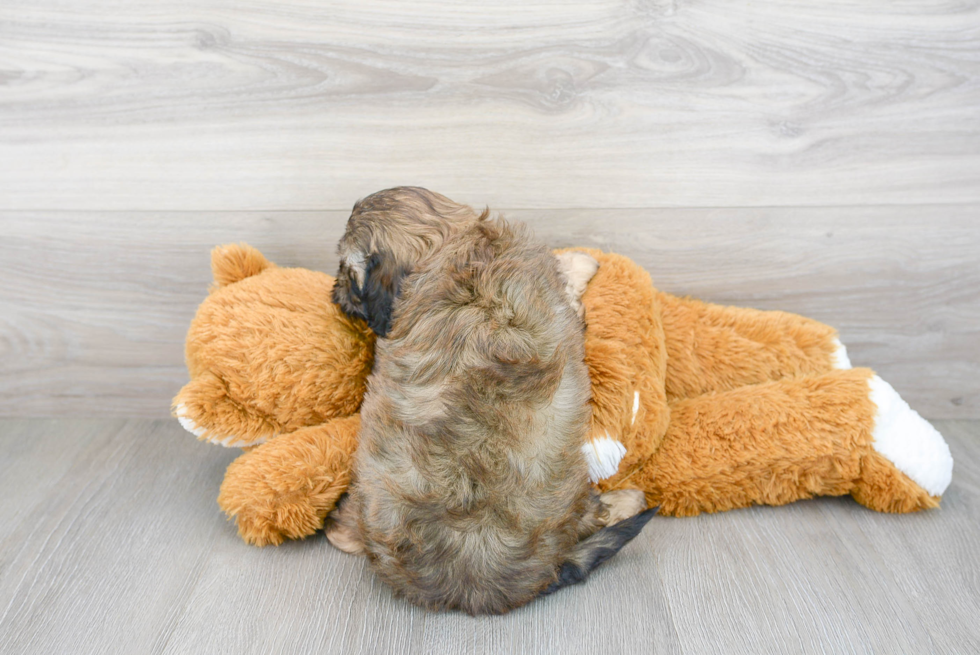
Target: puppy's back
(471,483)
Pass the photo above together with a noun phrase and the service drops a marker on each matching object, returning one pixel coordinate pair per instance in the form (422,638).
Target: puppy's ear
(347,290)
(382,282)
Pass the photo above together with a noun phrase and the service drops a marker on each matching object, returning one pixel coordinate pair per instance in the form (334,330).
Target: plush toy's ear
(367,288)
(236,261)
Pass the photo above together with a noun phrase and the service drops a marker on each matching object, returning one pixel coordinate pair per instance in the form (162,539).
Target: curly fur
(471,489)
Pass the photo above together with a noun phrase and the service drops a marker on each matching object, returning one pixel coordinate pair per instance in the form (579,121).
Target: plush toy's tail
(591,552)
(236,261)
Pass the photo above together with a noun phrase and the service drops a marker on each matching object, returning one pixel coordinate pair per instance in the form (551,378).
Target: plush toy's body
(704,408)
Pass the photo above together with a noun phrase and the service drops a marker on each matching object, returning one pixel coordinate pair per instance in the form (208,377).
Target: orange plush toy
(705,408)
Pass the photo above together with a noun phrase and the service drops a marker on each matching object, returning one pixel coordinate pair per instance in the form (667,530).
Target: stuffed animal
(705,408)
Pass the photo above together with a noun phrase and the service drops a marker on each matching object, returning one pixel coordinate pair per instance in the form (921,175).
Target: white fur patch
(839,357)
(603,456)
(909,441)
(636,406)
(578,268)
(180,411)
(234,442)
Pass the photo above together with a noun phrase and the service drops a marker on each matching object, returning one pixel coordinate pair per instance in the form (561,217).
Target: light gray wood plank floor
(110,541)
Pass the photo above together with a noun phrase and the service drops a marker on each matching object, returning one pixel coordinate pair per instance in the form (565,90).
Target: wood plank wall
(816,156)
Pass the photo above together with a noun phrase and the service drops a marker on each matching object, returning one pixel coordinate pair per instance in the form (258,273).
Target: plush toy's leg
(284,488)
(716,348)
(832,434)
(906,441)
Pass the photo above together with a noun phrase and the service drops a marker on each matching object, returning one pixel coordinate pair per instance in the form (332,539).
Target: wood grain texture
(105,561)
(294,104)
(123,550)
(923,567)
(94,306)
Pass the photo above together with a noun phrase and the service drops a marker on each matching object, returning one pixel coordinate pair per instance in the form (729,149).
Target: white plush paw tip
(180,411)
(909,441)
(839,358)
(186,422)
(603,456)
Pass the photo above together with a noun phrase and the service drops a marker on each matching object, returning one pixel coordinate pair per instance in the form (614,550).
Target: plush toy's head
(268,353)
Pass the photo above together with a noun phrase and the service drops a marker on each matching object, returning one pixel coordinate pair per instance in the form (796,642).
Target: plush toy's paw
(603,455)
(288,522)
(184,416)
(909,441)
(205,410)
(284,489)
(577,268)
(268,510)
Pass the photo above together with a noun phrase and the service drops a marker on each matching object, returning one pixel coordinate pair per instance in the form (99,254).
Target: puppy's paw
(341,529)
(622,504)
(343,537)
(577,268)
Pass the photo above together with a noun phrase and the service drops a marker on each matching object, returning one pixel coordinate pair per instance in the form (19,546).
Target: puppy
(471,491)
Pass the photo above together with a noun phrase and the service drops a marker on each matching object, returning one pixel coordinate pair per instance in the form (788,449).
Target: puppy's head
(388,235)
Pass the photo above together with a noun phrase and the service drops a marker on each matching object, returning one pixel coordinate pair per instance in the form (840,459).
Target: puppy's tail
(590,553)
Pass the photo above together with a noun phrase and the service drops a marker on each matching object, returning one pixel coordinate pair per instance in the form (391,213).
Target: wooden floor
(111,542)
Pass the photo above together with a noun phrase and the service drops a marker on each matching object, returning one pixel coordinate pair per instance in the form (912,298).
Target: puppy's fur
(471,491)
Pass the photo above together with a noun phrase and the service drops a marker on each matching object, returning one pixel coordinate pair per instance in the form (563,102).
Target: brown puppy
(471,490)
